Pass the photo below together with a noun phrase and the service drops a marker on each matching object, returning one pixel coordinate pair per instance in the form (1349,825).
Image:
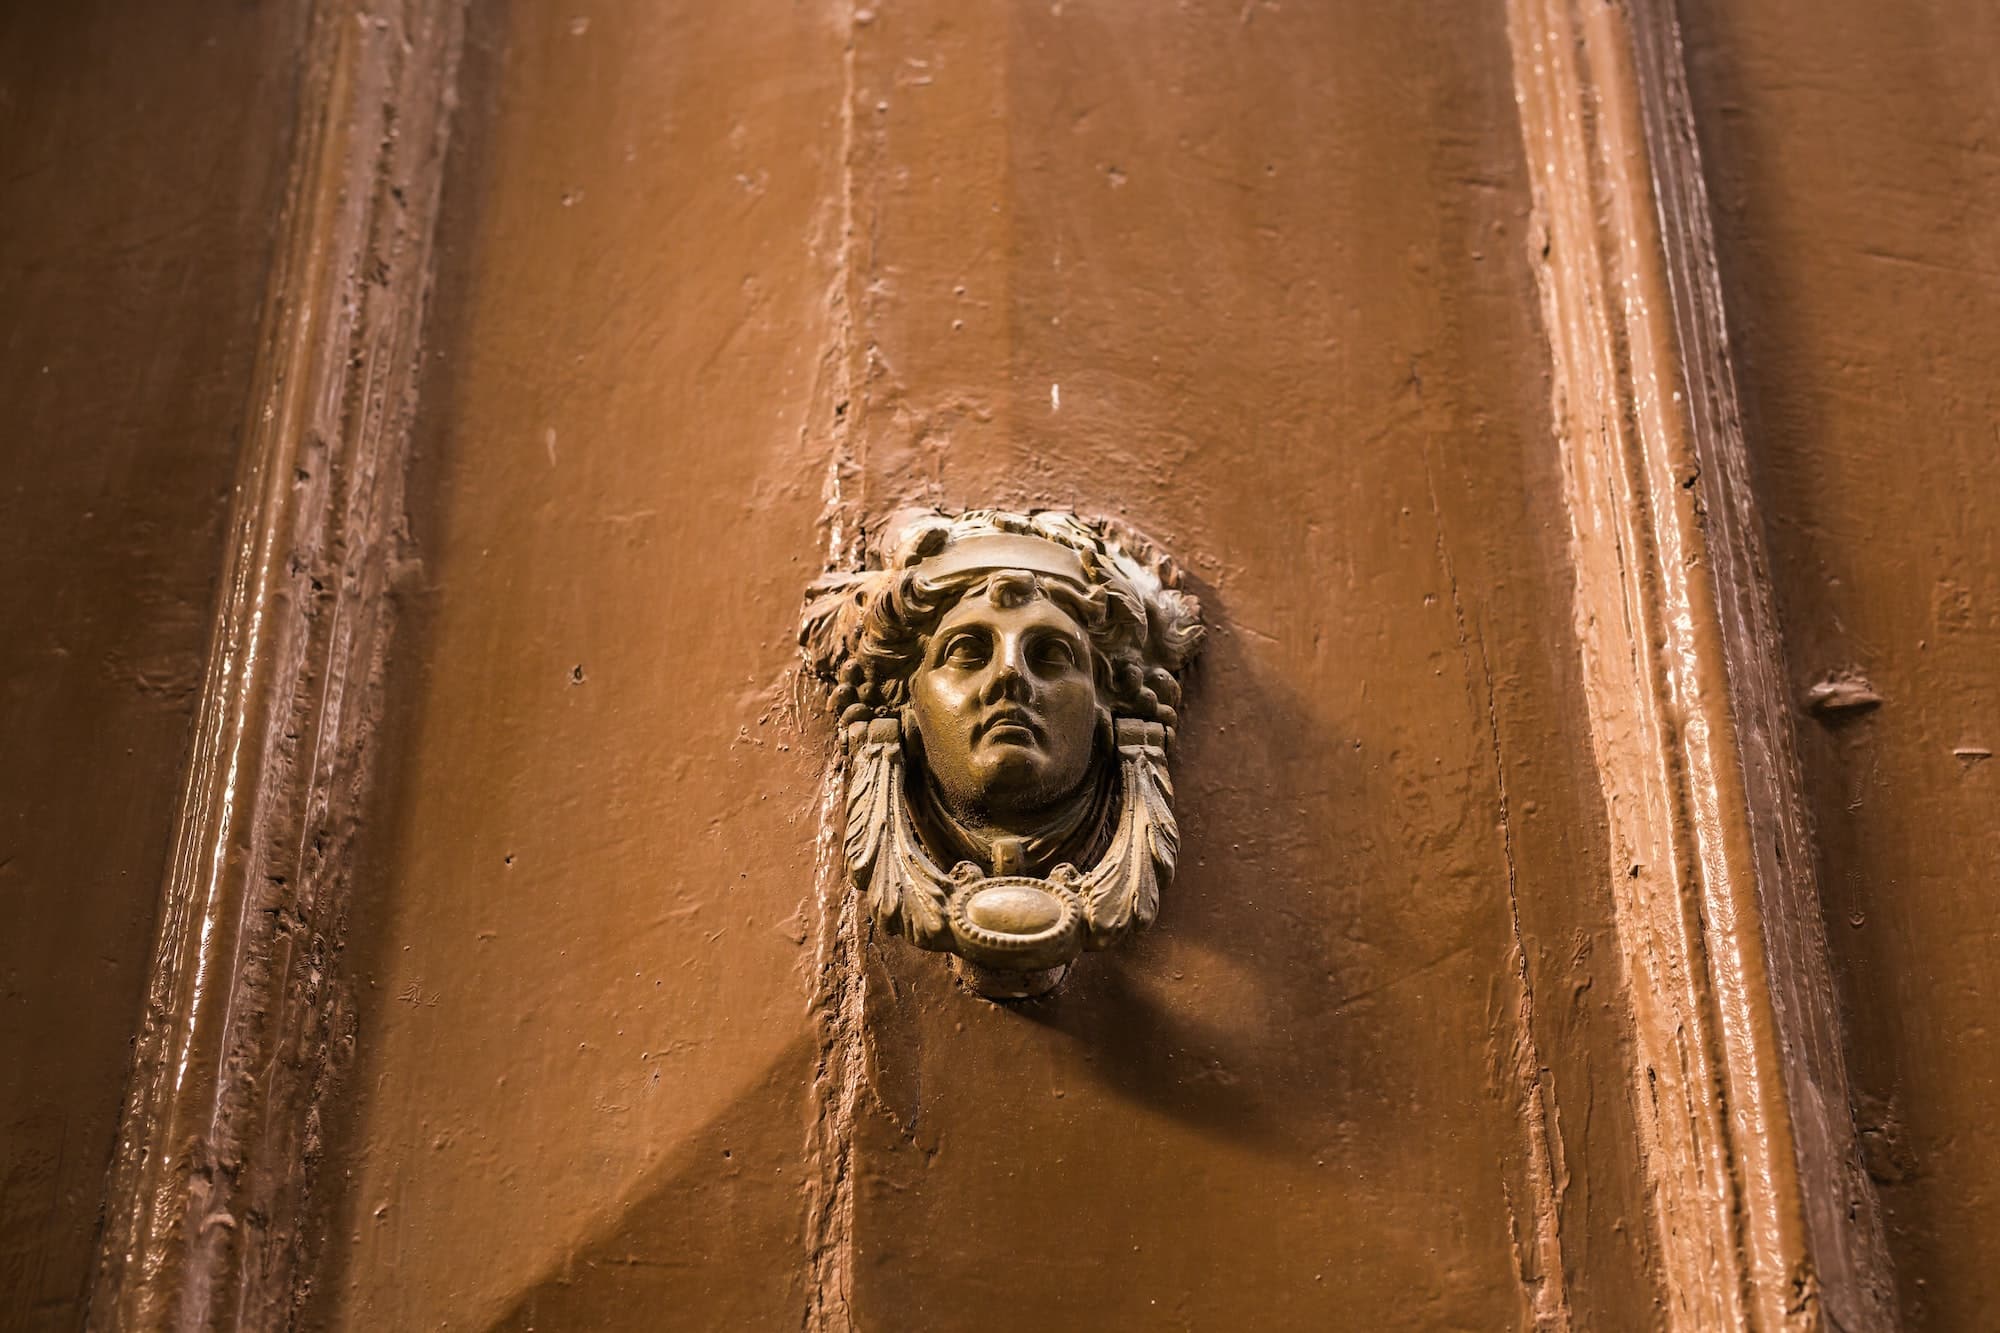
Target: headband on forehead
(1036,555)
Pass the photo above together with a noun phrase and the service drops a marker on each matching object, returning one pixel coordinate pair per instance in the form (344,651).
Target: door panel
(508,973)
(1114,262)
(1256,281)
(1856,202)
(135,249)
(585,1046)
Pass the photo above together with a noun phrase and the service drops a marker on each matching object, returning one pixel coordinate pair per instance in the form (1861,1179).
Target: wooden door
(1580,916)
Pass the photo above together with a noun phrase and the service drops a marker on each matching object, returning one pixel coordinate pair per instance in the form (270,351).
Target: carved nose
(1009,676)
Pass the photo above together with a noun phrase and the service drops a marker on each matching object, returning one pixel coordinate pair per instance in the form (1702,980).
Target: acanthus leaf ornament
(906,891)
(1122,894)
(1008,689)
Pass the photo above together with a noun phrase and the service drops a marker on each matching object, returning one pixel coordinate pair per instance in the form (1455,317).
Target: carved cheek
(965,688)
(1072,706)
(946,701)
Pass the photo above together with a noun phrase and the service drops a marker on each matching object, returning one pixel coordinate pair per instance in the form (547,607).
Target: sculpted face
(1006,704)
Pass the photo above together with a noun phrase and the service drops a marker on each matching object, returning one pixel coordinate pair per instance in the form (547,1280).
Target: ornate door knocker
(1008,688)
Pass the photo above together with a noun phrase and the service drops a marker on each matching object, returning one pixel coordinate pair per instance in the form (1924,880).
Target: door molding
(1762,1213)
(246,1014)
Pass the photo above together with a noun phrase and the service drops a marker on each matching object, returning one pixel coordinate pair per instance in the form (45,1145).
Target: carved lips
(1009,725)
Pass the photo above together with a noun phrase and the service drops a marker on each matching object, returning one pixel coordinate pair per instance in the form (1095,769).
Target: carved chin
(1020,777)
(1007,773)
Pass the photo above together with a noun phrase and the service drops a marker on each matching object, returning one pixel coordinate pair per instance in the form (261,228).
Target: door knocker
(1007,687)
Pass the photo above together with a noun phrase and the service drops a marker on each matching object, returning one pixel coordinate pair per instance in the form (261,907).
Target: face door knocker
(1007,687)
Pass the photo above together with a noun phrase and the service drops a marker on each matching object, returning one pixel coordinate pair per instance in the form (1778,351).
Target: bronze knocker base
(1014,936)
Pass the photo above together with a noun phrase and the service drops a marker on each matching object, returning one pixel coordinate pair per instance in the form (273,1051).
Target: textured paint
(145,149)
(1850,150)
(581,947)
(1263,281)
(1496,876)
(1255,278)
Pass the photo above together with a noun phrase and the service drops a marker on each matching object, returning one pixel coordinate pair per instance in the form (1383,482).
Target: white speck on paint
(1055,397)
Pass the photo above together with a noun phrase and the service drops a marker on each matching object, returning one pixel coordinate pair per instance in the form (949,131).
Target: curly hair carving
(864,632)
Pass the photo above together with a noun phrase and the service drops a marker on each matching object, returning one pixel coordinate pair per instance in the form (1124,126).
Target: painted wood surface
(506,978)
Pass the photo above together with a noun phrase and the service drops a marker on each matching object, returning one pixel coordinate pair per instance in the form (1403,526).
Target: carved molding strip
(1760,1209)
(245,1012)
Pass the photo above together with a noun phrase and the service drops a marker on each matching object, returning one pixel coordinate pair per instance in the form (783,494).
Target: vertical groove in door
(839,988)
(246,1012)
(1759,1209)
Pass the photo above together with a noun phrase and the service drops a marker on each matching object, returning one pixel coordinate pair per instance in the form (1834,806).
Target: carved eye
(966,650)
(1053,654)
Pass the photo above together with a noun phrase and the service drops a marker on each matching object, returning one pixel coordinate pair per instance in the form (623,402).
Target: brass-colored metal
(1008,688)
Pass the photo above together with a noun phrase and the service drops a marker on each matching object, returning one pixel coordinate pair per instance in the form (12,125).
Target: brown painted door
(1572,418)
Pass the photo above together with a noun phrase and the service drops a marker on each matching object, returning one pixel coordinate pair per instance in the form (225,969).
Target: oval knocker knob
(1008,687)
(1015,923)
